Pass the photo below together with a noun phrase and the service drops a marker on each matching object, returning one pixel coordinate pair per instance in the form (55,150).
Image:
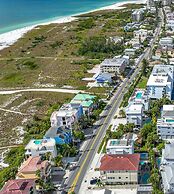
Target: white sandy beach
(11,37)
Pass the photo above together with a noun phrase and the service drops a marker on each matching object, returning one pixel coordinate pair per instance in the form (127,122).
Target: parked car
(93,181)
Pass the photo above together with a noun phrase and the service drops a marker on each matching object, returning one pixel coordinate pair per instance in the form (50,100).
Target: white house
(170,24)
(166,42)
(137,15)
(67,115)
(160,82)
(150,4)
(165,125)
(167,2)
(134,114)
(120,146)
(167,168)
(140,97)
(38,147)
(115,65)
(129,51)
(141,34)
(119,168)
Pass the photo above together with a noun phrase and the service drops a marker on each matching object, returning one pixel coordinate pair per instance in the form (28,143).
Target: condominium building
(129,52)
(167,2)
(38,147)
(115,65)
(141,34)
(167,168)
(137,15)
(120,146)
(119,169)
(160,82)
(67,115)
(165,125)
(134,114)
(150,4)
(166,42)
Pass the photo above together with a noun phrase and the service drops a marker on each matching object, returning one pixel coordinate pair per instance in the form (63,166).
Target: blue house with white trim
(62,135)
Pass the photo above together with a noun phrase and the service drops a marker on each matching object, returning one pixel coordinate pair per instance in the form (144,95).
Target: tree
(58,160)
(144,67)
(78,134)
(122,113)
(99,183)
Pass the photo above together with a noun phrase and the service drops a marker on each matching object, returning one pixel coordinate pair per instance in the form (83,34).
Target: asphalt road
(76,177)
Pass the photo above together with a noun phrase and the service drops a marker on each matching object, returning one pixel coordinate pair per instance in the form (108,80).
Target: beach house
(39,147)
(120,146)
(86,101)
(31,166)
(139,96)
(134,114)
(62,135)
(119,168)
(67,115)
(19,186)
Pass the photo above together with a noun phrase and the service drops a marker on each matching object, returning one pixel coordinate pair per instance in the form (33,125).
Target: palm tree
(99,183)
(58,160)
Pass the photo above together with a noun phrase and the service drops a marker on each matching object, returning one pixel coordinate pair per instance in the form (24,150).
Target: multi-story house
(19,186)
(140,97)
(165,125)
(62,135)
(31,166)
(39,147)
(134,114)
(119,169)
(120,146)
(160,82)
(67,115)
(86,101)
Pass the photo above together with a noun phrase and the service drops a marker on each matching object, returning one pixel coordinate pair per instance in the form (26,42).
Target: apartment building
(160,82)
(165,125)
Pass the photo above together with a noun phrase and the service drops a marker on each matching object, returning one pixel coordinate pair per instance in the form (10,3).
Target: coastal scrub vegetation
(100,47)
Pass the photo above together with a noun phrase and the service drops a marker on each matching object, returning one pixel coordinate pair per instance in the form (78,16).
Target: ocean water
(15,14)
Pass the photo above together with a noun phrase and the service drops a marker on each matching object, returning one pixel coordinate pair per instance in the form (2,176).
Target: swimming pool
(37,142)
(144,156)
(170,120)
(139,95)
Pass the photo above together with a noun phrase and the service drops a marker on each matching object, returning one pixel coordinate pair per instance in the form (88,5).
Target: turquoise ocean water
(15,14)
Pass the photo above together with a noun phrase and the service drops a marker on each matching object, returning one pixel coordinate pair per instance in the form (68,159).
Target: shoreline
(9,38)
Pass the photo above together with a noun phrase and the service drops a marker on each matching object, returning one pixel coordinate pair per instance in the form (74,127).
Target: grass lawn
(142,83)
